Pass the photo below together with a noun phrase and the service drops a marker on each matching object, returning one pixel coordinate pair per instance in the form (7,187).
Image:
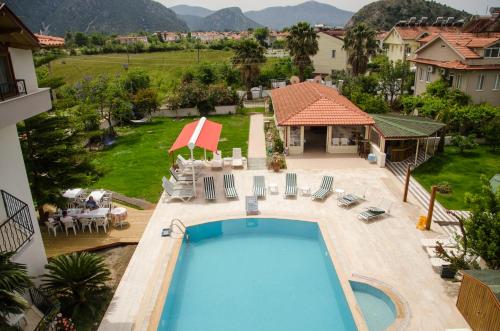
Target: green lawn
(139,159)
(461,171)
(163,67)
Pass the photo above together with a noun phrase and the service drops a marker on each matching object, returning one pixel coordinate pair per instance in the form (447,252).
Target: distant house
(481,24)
(50,41)
(401,42)
(470,62)
(129,40)
(169,36)
(331,55)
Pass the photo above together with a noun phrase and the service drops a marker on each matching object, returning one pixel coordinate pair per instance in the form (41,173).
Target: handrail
(179,225)
(18,228)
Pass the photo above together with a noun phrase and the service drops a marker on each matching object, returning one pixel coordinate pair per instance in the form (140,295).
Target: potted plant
(277,162)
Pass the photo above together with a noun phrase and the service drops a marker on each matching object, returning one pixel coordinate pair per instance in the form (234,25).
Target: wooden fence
(479,305)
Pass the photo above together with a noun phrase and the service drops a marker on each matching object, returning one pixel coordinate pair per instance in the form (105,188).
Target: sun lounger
(371,213)
(184,194)
(209,186)
(325,189)
(217,161)
(143,120)
(237,160)
(229,188)
(350,199)
(182,177)
(291,185)
(252,205)
(259,186)
(183,163)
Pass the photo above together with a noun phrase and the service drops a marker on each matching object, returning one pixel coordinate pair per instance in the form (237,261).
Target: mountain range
(383,14)
(109,16)
(227,19)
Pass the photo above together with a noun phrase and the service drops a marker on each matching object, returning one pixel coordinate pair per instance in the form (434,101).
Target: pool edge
(356,312)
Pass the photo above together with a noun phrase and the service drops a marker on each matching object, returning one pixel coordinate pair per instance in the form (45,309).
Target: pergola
(201,133)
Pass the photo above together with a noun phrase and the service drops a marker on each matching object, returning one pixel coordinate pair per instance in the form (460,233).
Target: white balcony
(23,106)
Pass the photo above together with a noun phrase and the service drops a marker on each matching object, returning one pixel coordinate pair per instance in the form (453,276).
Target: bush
(370,103)
(464,143)
(444,188)
(136,80)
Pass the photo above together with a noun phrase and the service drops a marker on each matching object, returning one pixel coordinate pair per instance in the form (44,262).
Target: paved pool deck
(387,250)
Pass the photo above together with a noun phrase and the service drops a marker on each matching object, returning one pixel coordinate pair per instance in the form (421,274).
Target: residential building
(20,98)
(470,62)
(401,42)
(330,55)
(50,41)
(129,40)
(481,24)
(169,36)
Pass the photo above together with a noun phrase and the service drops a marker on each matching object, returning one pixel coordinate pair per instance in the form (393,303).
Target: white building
(20,98)
(331,54)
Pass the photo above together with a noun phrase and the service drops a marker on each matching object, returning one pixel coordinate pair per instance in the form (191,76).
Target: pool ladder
(177,223)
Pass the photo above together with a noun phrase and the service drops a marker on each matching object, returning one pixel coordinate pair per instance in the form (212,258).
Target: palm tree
(302,43)
(78,280)
(360,44)
(248,57)
(13,280)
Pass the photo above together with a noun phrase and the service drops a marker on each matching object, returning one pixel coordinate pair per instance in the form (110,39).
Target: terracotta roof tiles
(314,104)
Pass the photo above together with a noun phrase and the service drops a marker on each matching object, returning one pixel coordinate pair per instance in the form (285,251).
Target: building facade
(20,98)
(469,62)
(331,55)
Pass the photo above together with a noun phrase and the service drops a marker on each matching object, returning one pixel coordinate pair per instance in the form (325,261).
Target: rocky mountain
(227,19)
(383,14)
(191,10)
(311,11)
(109,16)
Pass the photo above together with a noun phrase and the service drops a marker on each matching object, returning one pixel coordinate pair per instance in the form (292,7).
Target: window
(496,86)
(408,50)
(333,53)
(7,85)
(480,82)
(428,76)
(458,81)
(493,51)
(295,132)
(421,74)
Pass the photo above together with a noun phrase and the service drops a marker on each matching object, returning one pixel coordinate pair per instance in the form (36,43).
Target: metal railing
(17,229)
(46,306)
(12,89)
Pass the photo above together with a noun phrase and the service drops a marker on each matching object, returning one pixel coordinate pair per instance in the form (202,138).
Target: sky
(471,6)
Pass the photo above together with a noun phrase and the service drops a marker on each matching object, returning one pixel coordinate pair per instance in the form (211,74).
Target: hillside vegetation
(383,14)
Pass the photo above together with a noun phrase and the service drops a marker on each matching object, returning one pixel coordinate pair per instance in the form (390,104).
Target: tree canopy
(360,44)
(302,43)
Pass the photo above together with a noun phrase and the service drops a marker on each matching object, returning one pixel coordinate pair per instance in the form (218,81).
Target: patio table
(99,212)
(73,193)
(118,215)
(273,188)
(305,191)
(97,195)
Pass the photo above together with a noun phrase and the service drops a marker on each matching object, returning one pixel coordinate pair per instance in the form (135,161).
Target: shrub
(464,143)
(444,188)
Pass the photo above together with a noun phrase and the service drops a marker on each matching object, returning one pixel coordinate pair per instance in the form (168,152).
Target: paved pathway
(440,216)
(256,143)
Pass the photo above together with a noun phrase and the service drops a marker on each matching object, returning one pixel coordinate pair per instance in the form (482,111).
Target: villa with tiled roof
(331,54)
(49,41)
(470,62)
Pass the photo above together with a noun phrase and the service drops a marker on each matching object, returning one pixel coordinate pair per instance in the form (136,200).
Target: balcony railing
(17,229)
(12,89)
(47,307)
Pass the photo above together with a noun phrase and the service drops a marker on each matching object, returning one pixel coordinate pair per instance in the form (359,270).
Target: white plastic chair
(69,223)
(237,158)
(86,222)
(335,141)
(344,141)
(52,225)
(217,161)
(101,221)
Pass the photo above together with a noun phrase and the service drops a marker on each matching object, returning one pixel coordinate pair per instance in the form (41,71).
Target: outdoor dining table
(99,212)
(118,215)
(73,193)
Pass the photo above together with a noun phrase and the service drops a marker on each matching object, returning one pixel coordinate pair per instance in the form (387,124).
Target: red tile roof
(465,43)
(337,33)
(50,41)
(412,32)
(457,65)
(315,104)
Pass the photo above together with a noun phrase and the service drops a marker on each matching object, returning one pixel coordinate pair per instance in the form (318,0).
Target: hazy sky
(471,6)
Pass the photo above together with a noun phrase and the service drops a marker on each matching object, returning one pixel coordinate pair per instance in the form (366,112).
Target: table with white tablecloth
(96,213)
(119,215)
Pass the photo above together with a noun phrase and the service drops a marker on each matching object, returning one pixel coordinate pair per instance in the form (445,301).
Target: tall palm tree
(302,43)
(79,281)
(360,44)
(13,280)
(248,57)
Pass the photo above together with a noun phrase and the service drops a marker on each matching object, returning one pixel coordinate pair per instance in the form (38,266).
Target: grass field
(163,67)
(461,171)
(139,159)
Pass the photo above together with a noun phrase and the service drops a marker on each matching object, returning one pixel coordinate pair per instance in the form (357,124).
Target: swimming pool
(378,309)
(255,274)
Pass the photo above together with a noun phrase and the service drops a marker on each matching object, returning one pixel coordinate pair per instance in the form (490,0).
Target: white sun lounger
(217,162)
(183,163)
(350,199)
(291,185)
(237,160)
(184,194)
(325,189)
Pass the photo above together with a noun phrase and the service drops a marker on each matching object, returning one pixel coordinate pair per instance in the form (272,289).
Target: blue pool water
(378,309)
(255,274)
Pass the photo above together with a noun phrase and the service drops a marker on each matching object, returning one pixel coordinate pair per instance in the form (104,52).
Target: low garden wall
(186,112)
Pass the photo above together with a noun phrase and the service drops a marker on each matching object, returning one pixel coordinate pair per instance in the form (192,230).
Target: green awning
(401,126)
